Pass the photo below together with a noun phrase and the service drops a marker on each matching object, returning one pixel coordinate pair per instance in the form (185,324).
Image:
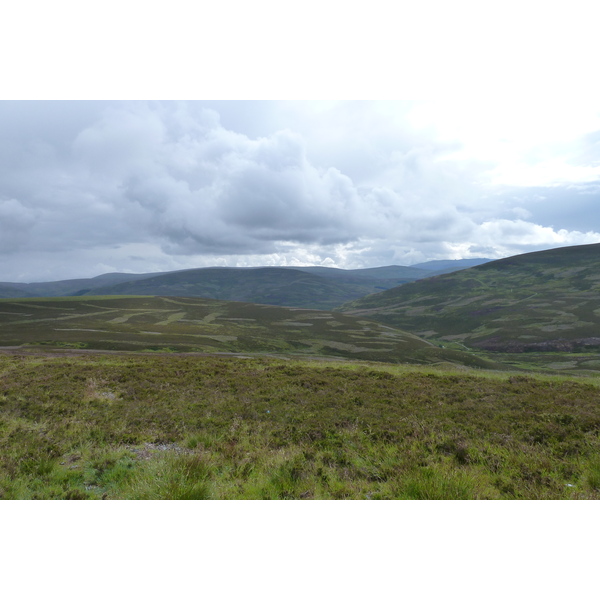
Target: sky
(89,187)
(105,170)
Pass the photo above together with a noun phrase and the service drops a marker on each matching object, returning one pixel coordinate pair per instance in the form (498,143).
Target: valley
(481,383)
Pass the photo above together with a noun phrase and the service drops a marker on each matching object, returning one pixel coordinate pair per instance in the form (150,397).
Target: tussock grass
(181,427)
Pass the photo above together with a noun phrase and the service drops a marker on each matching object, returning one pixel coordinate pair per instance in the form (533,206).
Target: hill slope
(325,288)
(440,267)
(9,290)
(268,285)
(310,287)
(66,287)
(545,300)
(200,325)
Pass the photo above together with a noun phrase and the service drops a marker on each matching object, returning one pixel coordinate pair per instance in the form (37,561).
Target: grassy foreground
(181,427)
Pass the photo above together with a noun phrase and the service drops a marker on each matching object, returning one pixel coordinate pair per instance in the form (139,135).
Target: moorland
(475,384)
(118,426)
(172,324)
(540,308)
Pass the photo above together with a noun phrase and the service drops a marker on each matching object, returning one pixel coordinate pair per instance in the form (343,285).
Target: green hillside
(66,287)
(8,290)
(540,301)
(281,286)
(269,285)
(309,287)
(202,325)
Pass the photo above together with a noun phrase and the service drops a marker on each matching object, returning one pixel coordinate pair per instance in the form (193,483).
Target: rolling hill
(201,325)
(309,287)
(269,285)
(538,301)
(66,287)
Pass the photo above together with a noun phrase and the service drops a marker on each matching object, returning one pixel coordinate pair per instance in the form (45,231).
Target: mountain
(310,287)
(8,290)
(268,285)
(69,287)
(545,300)
(200,325)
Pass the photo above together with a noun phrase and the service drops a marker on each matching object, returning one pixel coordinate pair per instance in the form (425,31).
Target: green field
(118,426)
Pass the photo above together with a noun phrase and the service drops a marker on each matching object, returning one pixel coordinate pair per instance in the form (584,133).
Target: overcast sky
(506,159)
(94,187)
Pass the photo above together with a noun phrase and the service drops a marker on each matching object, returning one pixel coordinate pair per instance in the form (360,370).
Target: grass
(186,427)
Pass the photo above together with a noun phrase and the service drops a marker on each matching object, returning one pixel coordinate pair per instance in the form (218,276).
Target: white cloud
(508,236)
(159,186)
(526,141)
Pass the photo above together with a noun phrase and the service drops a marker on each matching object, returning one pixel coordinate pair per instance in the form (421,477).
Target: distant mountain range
(547,300)
(307,287)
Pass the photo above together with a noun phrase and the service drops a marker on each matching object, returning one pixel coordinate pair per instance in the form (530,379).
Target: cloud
(522,235)
(121,141)
(16,222)
(229,192)
(147,186)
